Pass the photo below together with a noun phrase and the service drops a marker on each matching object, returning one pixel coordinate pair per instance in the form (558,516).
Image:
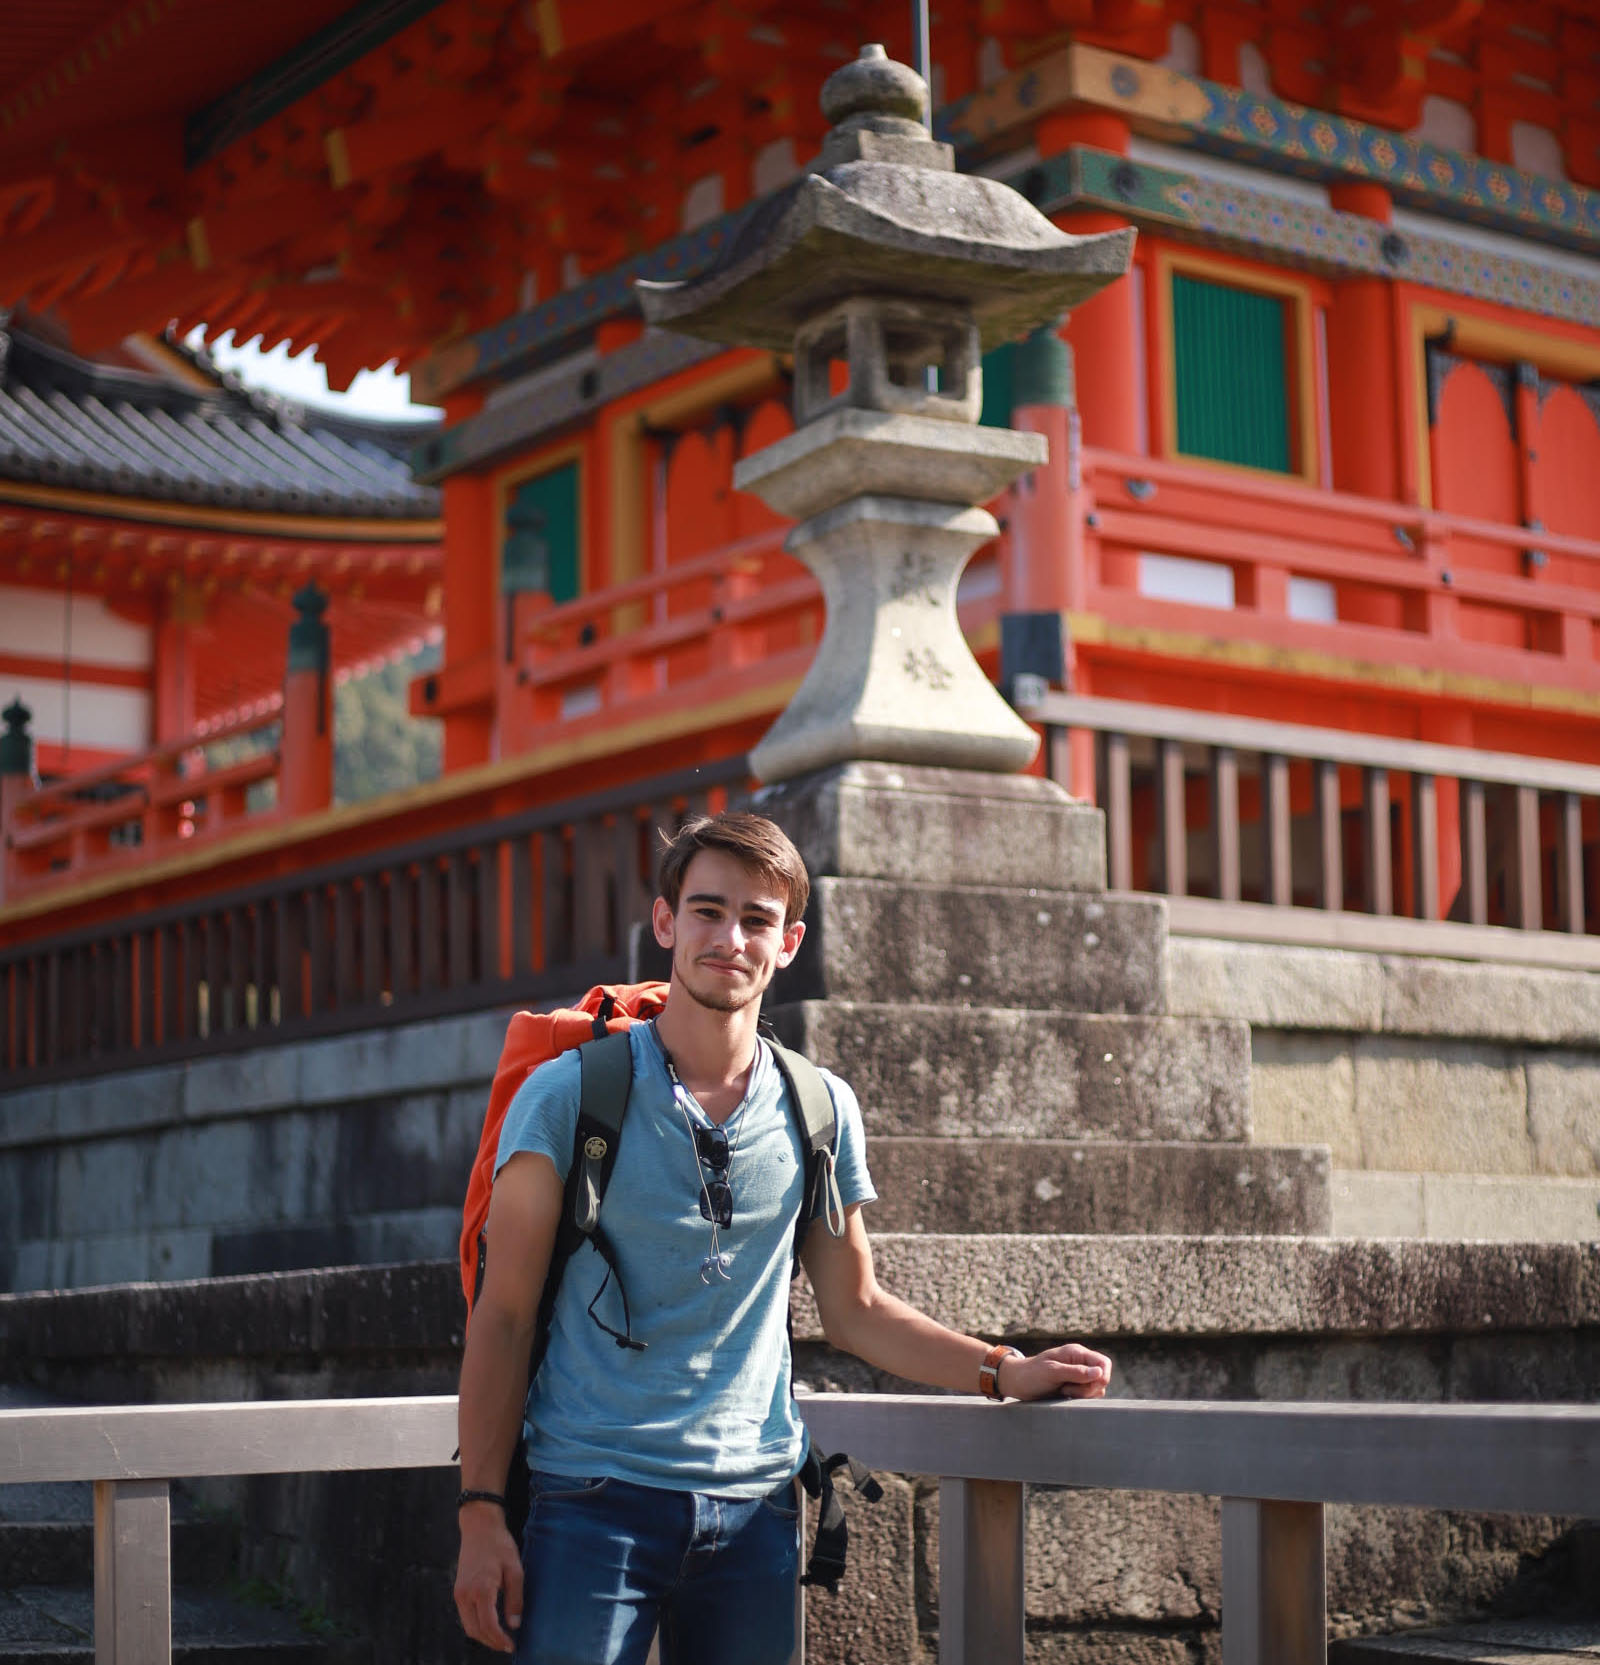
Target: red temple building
(1325,460)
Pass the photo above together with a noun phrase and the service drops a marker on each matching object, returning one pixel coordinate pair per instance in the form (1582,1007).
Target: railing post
(1274,1590)
(980,1572)
(305,777)
(132,1573)
(17,780)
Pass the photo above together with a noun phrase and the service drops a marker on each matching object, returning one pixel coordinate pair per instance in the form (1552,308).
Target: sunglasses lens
(716,1203)
(712,1143)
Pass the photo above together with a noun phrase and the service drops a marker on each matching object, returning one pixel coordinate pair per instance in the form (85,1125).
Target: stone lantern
(884,259)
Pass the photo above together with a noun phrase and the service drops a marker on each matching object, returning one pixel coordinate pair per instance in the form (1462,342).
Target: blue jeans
(607,1562)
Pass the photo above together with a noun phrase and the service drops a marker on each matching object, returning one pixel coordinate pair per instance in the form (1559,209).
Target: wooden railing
(1275,1466)
(1273,830)
(1387,582)
(146,805)
(530,906)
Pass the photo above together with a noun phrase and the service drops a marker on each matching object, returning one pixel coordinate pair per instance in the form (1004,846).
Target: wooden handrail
(1275,1466)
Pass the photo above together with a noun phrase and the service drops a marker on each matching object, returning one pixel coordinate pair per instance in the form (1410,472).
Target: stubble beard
(717,1000)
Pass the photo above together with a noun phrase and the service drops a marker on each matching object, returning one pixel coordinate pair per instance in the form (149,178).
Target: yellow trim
(485,777)
(199,244)
(338,154)
(727,384)
(1254,281)
(328,529)
(1090,629)
(629,507)
(547,18)
(1477,337)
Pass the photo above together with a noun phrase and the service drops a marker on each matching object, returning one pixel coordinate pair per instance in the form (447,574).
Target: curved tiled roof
(66,421)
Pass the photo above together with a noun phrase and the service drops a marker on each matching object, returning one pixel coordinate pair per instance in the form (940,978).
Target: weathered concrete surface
(1004,1185)
(976,946)
(1499,1642)
(940,826)
(1030,1074)
(1536,1209)
(1196,1286)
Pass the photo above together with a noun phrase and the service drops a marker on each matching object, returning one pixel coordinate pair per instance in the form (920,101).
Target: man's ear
(793,936)
(661,922)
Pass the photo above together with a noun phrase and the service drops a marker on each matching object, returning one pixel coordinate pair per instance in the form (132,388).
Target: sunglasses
(716,1195)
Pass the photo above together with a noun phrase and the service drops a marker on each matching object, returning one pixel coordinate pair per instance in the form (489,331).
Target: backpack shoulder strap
(814,1110)
(605,1071)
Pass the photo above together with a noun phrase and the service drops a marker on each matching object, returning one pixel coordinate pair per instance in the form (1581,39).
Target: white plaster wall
(34,622)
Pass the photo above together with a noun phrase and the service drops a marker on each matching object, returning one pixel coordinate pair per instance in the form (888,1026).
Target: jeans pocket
(783,1501)
(543,1487)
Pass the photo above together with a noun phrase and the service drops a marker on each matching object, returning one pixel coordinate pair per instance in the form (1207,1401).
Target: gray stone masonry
(1111,1576)
(1458,1099)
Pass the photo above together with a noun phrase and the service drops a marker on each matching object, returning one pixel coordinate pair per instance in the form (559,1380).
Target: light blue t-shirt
(706,1406)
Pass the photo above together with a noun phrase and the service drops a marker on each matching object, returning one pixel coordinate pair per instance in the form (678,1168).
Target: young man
(662,1489)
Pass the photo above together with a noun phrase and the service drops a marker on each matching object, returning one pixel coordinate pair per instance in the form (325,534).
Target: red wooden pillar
(471,606)
(305,774)
(17,779)
(173,713)
(1040,511)
(1363,386)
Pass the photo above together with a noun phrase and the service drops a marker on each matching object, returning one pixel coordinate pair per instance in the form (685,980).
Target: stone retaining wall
(1131,1578)
(1458,1099)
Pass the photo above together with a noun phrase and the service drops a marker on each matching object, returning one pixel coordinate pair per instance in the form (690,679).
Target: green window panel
(997,380)
(542,536)
(1231,359)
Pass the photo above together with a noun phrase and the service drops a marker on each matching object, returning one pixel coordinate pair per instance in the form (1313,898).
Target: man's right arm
(524,1212)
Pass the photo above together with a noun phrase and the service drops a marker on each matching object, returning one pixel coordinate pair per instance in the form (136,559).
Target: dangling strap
(828,1551)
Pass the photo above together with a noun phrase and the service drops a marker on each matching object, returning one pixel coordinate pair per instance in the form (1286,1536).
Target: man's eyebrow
(765,909)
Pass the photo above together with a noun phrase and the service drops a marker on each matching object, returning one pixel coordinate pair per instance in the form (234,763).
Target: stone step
(38,1552)
(50,1625)
(1503,1208)
(1498,1642)
(1095,1186)
(971,1071)
(973,945)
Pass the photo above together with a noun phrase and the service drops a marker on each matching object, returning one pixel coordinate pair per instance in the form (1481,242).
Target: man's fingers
(513,1588)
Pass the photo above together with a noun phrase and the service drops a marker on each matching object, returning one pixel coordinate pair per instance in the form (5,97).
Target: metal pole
(921,59)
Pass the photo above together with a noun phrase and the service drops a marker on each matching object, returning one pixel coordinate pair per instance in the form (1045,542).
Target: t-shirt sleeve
(543,1115)
(850,1161)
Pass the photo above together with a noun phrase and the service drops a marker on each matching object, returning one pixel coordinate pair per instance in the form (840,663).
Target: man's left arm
(860,1317)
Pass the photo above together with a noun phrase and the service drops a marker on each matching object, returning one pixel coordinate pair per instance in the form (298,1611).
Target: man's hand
(489,1565)
(1067,1372)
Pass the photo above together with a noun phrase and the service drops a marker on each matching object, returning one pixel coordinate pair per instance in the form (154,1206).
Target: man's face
(727,937)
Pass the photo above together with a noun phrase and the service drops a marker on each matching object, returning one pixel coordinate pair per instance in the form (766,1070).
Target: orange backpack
(532,1039)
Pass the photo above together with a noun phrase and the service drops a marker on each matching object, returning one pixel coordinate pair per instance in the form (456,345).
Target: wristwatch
(989,1370)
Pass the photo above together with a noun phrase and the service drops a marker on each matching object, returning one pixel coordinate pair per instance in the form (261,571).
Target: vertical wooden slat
(1569,863)
(592,858)
(319,950)
(146,979)
(522,920)
(1475,851)
(1330,837)
(216,975)
(487,969)
(291,982)
(1425,844)
(1526,902)
(458,898)
(401,896)
(1277,847)
(121,1035)
(1172,819)
(1119,813)
(634,894)
(346,957)
(1375,829)
(981,1610)
(235,1015)
(262,943)
(171,942)
(556,891)
(1225,820)
(132,1572)
(428,925)
(1274,1583)
(372,937)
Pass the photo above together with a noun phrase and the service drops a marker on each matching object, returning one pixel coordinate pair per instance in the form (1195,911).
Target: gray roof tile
(67,421)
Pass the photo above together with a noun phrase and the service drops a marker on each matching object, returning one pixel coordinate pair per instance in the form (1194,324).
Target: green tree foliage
(378,746)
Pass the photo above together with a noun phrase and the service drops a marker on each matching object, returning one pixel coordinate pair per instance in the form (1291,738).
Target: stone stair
(47,1587)
(1499,1642)
(1009,1040)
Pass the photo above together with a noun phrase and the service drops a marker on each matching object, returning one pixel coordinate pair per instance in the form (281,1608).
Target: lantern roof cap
(882,211)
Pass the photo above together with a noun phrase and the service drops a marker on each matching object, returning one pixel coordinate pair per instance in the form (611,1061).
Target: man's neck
(709,1049)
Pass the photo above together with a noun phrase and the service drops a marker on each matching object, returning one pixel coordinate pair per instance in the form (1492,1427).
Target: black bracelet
(470,1496)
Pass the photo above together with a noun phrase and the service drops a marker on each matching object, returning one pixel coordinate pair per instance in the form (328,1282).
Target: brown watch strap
(989,1370)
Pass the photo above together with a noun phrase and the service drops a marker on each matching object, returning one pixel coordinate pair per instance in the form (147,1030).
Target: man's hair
(753,840)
